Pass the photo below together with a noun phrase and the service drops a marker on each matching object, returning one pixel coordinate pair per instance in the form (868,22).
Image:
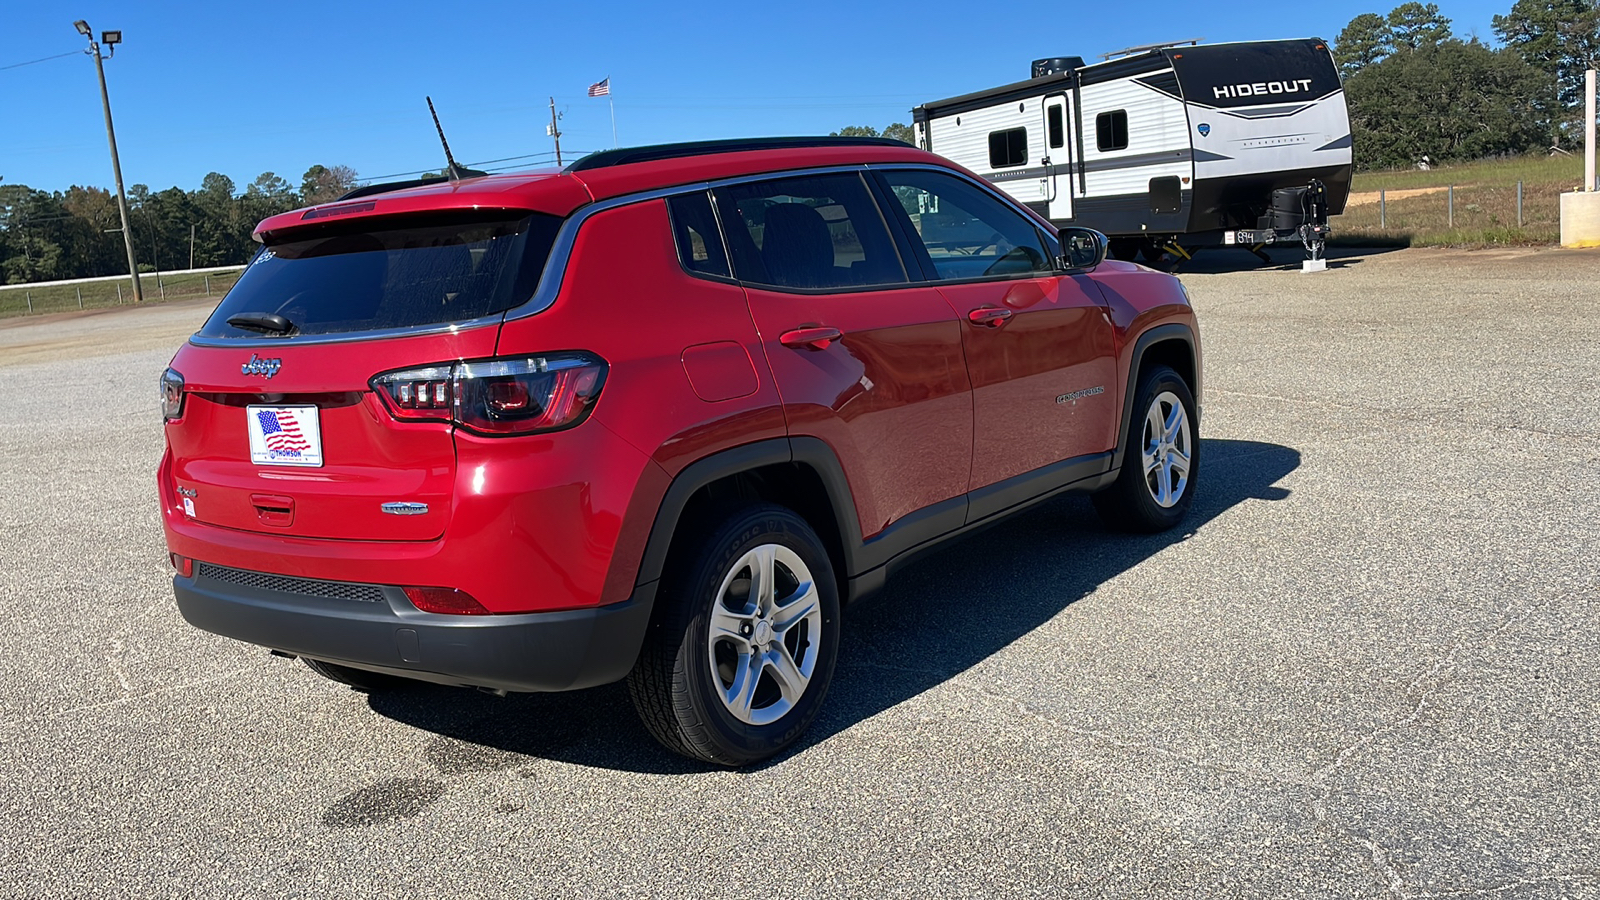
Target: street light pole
(112,38)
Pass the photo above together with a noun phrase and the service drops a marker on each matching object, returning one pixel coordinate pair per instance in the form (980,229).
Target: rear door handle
(810,338)
(989,316)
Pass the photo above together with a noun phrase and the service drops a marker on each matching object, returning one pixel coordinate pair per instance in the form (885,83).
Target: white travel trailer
(1165,148)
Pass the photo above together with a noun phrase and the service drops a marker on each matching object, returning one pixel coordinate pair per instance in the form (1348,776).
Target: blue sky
(243,88)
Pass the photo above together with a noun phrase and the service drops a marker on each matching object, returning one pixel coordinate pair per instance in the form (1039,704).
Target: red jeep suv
(656,416)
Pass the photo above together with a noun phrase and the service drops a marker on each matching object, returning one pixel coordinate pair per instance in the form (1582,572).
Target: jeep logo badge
(263,367)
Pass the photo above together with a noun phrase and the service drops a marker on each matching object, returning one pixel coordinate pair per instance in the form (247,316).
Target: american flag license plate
(284,435)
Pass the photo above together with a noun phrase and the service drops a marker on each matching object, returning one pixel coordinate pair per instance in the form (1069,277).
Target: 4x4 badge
(258,366)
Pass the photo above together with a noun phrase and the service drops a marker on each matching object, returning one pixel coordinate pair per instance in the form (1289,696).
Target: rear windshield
(429,273)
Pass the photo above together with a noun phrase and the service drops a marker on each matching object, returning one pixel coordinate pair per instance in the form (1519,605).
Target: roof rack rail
(1146,48)
(605,158)
(387,186)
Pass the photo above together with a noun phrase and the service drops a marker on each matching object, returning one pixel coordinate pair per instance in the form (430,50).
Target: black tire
(360,679)
(682,677)
(1152,254)
(1133,502)
(1125,249)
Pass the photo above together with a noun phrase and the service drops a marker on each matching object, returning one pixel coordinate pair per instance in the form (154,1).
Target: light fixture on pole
(111,39)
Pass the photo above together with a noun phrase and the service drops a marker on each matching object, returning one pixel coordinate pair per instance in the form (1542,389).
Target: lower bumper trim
(524,652)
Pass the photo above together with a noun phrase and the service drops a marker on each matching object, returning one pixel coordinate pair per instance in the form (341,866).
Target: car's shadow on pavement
(938,618)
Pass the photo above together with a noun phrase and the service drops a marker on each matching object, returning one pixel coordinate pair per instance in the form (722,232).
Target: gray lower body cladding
(379,630)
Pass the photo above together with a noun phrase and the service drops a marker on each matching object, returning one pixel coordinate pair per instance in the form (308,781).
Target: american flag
(601,88)
(282,432)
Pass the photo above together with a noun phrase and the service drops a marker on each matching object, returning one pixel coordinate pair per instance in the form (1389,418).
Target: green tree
(897,131)
(321,184)
(34,222)
(222,237)
(1366,40)
(1449,101)
(1415,25)
(901,132)
(1558,37)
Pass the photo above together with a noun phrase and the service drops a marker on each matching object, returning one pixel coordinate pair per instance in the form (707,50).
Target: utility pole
(554,131)
(191,245)
(112,38)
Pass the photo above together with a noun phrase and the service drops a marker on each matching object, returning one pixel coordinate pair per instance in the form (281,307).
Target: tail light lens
(171,394)
(514,395)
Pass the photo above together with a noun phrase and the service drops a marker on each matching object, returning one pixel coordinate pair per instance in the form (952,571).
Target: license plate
(284,435)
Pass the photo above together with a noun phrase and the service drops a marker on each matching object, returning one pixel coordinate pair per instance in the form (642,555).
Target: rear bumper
(548,651)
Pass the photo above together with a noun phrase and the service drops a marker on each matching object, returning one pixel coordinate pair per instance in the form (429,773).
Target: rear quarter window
(423,273)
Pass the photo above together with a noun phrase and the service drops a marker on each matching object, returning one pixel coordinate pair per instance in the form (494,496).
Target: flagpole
(612,103)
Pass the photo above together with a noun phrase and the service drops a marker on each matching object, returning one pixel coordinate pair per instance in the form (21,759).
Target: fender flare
(1147,339)
(809,451)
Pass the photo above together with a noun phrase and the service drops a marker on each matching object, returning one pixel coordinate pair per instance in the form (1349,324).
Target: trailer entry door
(1058,157)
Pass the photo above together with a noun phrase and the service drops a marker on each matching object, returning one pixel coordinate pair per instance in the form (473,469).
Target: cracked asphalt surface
(1366,667)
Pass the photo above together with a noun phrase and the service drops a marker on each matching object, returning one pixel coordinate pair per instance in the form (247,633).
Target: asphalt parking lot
(1365,668)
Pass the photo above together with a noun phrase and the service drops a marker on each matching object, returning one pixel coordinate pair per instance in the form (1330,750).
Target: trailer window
(1111,130)
(1053,123)
(1008,148)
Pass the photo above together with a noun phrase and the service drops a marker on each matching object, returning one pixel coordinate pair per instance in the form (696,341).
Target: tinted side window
(1111,130)
(966,232)
(1008,148)
(1058,131)
(694,229)
(822,231)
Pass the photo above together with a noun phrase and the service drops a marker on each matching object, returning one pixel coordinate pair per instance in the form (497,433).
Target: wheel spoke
(789,615)
(742,693)
(1154,427)
(1163,484)
(1152,461)
(1174,424)
(726,623)
(791,681)
(762,577)
(1178,461)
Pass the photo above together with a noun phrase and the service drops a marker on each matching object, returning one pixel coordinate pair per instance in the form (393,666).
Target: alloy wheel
(1167,449)
(765,631)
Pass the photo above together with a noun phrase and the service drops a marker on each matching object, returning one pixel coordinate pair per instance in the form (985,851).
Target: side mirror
(1082,249)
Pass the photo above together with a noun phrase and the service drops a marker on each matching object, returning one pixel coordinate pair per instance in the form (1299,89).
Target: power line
(547,155)
(35,61)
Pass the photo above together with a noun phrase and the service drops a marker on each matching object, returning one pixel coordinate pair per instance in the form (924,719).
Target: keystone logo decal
(1261,88)
(1204,129)
(263,367)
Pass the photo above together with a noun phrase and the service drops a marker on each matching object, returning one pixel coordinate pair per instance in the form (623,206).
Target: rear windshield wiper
(266,323)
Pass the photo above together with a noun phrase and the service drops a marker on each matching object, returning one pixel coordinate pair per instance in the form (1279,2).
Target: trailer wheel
(1125,249)
(1151,252)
